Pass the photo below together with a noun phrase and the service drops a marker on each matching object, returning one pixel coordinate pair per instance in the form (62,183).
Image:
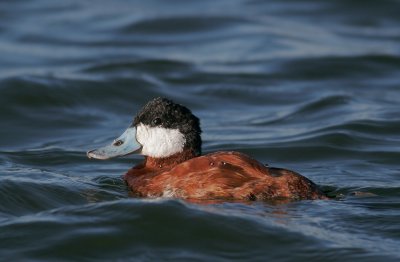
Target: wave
(155,66)
(182,24)
(309,86)
(150,229)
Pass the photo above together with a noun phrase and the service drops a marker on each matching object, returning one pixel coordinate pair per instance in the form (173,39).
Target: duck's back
(222,175)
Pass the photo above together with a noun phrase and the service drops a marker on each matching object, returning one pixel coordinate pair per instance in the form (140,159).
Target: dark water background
(312,86)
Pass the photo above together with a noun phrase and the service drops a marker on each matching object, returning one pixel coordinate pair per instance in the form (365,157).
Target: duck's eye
(118,143)
(157,121)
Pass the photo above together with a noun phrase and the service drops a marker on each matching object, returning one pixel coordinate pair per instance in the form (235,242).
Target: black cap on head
(165,113)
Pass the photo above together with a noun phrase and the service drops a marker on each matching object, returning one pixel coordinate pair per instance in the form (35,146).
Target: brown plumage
(220,175)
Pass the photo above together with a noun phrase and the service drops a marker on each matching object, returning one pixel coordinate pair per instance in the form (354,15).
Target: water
(312,86)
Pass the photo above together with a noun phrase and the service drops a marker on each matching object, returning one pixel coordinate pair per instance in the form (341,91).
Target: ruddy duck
(168,135)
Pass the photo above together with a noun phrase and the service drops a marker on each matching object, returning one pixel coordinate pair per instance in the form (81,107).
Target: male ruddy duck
(168,135)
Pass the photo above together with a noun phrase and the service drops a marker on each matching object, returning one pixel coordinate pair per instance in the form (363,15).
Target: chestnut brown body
(220,175)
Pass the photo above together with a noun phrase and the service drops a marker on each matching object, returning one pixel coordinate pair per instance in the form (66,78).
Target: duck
(168,135)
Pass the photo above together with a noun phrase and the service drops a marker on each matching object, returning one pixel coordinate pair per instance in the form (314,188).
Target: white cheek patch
(159,142)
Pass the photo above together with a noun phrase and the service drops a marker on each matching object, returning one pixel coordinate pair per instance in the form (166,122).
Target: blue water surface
(312,86)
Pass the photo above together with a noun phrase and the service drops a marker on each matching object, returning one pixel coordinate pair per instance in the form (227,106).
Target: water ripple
(312,86)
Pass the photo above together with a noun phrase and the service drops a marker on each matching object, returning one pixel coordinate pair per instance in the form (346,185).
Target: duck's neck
(168,162)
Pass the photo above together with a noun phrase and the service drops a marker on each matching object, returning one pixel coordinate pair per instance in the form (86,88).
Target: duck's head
(161,129)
